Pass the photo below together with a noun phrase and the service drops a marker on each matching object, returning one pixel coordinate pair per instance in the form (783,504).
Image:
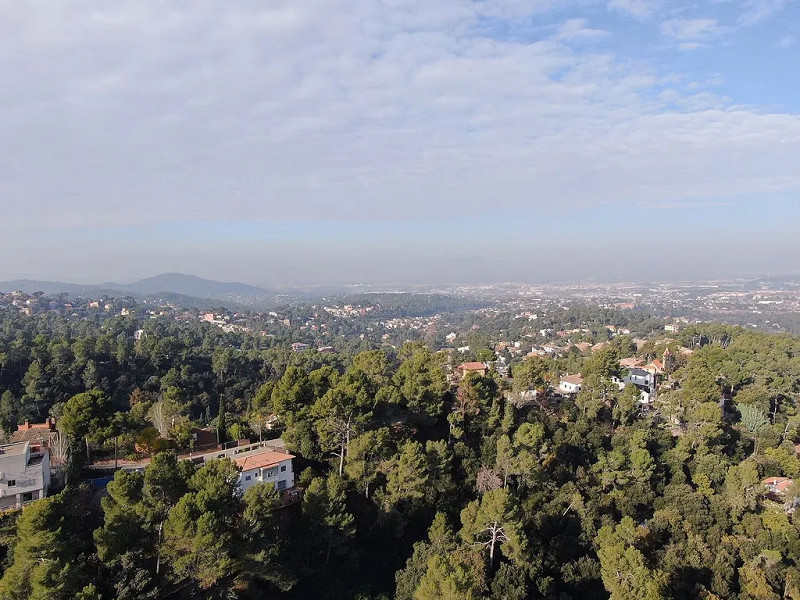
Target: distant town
(298,436)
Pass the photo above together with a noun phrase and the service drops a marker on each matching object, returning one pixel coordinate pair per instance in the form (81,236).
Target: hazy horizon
(409,141)
(410,284)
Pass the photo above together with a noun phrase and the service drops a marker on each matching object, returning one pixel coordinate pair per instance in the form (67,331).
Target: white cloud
(691,29)
(787,41)
(132,113)
(575,29)
(637,8)
(756,11)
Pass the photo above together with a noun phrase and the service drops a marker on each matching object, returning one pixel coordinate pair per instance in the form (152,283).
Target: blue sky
(399,140)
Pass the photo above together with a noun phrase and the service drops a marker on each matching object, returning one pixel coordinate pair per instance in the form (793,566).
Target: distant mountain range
(188,285)
(166,283)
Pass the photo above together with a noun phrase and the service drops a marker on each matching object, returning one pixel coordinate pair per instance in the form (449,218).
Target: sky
(286,142)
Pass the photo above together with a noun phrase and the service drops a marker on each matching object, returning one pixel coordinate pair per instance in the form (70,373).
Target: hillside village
(647,369)
(349,422)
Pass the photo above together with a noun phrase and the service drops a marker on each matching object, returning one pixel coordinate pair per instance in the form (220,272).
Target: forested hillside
(418,483)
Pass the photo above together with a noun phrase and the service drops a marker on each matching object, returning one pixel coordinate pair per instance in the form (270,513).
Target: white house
(646,396)
(570,384)
(24,475)
(266,461)
(640,377)
(266,466)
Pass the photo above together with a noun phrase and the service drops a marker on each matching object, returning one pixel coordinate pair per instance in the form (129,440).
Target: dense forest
(418,483)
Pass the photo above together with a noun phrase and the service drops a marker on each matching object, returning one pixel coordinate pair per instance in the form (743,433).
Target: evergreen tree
(494,523)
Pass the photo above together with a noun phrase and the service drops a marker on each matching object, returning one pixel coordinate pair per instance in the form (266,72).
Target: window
(283,468)
(272,471)
(27,496)
(247,478)
(281,485)
(12,482)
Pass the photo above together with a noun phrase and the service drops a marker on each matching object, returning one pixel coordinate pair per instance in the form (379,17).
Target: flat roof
(13,449)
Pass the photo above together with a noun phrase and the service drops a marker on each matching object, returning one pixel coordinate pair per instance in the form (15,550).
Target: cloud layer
(145,112)
(148,113)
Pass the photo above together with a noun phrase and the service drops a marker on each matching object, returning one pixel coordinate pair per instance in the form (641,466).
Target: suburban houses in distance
(644,378)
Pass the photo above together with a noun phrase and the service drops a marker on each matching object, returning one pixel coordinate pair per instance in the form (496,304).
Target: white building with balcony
(267,466)
(24,474)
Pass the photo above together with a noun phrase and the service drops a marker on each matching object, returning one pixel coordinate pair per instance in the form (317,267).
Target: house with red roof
(266,466)
(570,384)
(778,486)
(38,434)
(656,367)
(472,367)
(630,363)
(261,462)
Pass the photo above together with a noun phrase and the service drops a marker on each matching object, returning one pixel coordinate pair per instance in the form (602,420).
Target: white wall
(569,388)
(281,475)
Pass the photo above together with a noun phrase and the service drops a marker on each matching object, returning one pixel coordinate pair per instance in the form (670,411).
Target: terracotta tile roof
(654,367)
(34,435)
(630,362)
(262,460)
(778,484)
(472,366)
(576,379)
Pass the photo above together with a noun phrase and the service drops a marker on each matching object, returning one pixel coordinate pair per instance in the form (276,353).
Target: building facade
(262,462)
(266,467)
(24,474)
(570,384)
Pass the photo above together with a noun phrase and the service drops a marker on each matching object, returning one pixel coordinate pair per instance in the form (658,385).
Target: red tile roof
(576,379)
(35,435)
(262,460)
(630,362)
(778,484)
(472,366)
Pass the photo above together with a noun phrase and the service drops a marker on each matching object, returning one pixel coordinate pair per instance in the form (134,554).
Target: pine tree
(493,522)
(406,479)
(327,518)
(625,573)
(458,575)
